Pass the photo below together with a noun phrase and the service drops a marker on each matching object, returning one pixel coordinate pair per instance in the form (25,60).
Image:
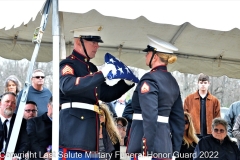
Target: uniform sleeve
(236,128)
(148,100)
(35,145)
(177,124)
(110,93)
(229,117)
(72,84)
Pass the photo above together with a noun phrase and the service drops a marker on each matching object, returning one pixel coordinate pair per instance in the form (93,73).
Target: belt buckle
(96,108)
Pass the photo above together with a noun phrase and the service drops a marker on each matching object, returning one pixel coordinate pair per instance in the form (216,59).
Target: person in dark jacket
(7,108)
(81,88)
(158,119)
(218,145)
(111,143)
(39,131)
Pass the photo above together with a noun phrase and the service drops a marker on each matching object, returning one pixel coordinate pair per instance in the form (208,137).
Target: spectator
(7,115)
(236,130)
(107,127)
(119,105)
(190,139)
(202,106)
(30,110)
(218,145)
(37,92)
(231,116)
(12,84)
(39,130)
(121,124)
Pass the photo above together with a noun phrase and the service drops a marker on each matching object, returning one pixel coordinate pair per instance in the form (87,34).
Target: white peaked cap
(160,45)
(87,31)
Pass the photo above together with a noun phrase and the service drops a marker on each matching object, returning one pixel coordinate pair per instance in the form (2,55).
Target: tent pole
(19,116)
(56,39)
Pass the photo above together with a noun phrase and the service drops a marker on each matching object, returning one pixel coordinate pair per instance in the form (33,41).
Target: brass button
(85,59)
(91,73)
(143,141)
(82,117)
(96,94)
(143,147)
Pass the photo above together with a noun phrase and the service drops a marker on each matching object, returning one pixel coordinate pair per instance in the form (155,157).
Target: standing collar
(161,67)
(79,56)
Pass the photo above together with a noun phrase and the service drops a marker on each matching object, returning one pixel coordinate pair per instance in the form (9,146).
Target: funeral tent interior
(206,34)
(215,52)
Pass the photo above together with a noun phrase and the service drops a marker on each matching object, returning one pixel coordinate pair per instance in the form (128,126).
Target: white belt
(160,118)
(91,107)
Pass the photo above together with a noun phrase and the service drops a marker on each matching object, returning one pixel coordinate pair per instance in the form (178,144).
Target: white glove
(128,82)
(112,82)
(107,68)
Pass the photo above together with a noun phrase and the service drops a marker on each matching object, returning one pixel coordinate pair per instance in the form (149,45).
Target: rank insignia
(67,70)
(145,88)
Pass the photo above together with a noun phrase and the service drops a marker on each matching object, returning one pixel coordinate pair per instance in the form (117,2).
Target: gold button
(143,141)
(143,147)
(96,94)
(82,117)
(87,66)
(90,72)
(85,59)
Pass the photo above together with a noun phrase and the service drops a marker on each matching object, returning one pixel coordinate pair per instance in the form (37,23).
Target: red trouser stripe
(64,153)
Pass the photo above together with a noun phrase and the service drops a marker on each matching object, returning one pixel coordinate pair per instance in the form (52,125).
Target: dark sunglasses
(187,122)
(221,130)
(29,110)
(39,77)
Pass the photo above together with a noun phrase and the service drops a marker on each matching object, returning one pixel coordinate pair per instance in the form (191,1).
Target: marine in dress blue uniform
(158,119)
(81,88)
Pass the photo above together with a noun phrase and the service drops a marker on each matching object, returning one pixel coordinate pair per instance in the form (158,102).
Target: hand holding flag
(121,71)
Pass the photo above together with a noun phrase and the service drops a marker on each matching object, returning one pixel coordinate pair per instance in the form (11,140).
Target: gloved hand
(122,71)
(108,68)
(128,82)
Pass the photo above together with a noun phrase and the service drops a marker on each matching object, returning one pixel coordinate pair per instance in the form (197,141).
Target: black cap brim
(149,48)
(92,38)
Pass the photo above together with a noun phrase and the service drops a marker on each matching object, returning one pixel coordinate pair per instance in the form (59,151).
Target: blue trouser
(73,154)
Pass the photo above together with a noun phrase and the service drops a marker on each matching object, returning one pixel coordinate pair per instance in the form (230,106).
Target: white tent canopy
(206,33)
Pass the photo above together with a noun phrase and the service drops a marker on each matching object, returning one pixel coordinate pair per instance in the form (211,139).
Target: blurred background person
(109,138)
(218,145)
(236,130)
(231,116)
(30,110)
(12,84)
(121,124)
(37,92)
(190,139)
(202,106)
(39,130)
